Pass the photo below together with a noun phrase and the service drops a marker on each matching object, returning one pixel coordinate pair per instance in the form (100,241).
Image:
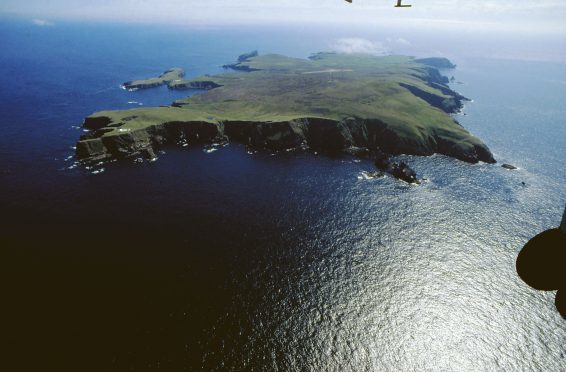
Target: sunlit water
(289,261)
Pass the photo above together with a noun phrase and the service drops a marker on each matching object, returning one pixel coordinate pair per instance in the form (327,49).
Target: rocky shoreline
(359,137)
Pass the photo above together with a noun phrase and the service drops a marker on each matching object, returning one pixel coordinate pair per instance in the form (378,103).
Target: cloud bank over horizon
(42,22)
(354,45)
(359,45)
(543,16)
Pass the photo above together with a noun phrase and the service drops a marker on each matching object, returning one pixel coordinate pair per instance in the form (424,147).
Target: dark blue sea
(294,261)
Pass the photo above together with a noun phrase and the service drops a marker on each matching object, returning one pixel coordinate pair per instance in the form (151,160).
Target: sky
(517,16)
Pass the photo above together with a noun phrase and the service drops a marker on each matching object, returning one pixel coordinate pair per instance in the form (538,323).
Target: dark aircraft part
(399,5)
(542,263)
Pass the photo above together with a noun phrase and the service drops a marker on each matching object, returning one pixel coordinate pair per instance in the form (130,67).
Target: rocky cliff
(318,134)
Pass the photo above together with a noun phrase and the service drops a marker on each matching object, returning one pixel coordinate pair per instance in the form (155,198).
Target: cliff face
(451,104)
(323,135)
(143,142)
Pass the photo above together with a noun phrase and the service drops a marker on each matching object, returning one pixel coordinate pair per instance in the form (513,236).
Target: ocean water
(231,261)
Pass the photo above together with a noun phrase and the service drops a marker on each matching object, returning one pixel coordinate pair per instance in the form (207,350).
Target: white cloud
(402,41)
(392,42)
(359,45)
(42,22)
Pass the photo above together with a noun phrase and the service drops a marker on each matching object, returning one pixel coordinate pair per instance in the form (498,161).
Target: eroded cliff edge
(330,103)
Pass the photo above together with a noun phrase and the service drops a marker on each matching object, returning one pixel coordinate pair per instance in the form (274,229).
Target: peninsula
(354,103)
(167,77)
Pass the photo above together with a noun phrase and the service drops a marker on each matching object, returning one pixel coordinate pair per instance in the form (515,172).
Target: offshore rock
(399,170)
(403,172)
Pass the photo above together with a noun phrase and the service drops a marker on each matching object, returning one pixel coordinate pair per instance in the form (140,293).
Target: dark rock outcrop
(403,172)
(399,170)
(509,166)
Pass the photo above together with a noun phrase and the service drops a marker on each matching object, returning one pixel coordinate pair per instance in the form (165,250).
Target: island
(365,105)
